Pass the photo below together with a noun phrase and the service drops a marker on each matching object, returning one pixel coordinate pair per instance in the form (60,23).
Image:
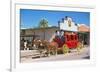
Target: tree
(43,24)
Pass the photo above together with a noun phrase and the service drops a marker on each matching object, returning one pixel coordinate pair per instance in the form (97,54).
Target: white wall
(60,2)
(65,26)
(5,35)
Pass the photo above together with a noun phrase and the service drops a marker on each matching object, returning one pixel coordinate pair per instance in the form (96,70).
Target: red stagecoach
(68,39)
(71,40)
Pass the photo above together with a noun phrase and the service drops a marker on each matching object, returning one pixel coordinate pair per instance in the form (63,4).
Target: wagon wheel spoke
(65,49)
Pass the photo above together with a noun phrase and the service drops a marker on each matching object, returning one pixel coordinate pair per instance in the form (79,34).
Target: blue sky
(30,18)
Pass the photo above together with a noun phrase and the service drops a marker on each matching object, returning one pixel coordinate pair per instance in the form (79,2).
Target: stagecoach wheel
(79,46)
(65,49)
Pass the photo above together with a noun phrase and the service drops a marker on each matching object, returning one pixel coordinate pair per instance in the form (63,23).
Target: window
(72,37)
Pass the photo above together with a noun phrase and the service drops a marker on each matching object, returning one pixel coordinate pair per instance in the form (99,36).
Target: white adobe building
(67,24)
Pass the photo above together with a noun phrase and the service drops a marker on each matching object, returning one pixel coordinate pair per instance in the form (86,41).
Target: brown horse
(45,47)
(40,46)
(52,48)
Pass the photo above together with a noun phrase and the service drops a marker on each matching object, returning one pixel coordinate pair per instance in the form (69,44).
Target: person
(25,45)
(57,33)
(22,44)
(62,33)
(62,38)
(59,38)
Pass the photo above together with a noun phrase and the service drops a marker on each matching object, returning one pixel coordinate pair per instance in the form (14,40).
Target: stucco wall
(65,26)
(49,33)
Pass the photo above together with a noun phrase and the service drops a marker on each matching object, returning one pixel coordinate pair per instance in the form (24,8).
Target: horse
(52,48)
(40,46)
(45,47)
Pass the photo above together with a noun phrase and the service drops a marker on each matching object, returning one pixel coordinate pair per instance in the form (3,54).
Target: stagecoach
(67,40)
